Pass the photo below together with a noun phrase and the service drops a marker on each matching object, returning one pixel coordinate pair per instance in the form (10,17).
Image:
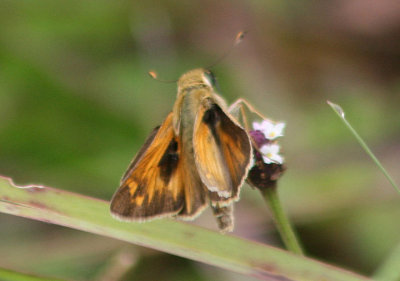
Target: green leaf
(171,236)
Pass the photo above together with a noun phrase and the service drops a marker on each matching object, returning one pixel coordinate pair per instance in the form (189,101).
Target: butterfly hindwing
(196,198)
(222,152)
(152,186)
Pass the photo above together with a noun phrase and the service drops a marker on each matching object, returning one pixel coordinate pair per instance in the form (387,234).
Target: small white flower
(270,129)
(270,153)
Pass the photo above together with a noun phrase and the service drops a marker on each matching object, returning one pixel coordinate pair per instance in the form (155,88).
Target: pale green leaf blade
(182,239)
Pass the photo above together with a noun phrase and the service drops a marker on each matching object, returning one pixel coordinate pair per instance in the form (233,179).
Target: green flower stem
(281,220)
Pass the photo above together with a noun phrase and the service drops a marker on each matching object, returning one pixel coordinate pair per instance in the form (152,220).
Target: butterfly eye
(210,78)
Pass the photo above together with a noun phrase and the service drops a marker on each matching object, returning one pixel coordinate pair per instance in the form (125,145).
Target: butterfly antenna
(154,75)
(238,39)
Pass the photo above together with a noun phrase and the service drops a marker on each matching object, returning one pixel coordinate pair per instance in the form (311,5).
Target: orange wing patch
(222,153)
(152,186)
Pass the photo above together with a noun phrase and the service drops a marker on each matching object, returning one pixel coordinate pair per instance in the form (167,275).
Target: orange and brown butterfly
(199,156)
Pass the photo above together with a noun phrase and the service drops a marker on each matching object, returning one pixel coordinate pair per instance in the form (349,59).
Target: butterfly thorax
(195,88)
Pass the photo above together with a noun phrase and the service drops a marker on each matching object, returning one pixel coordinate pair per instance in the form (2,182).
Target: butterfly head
(196,78)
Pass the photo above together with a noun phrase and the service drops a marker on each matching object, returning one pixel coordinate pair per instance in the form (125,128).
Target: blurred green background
(76,103)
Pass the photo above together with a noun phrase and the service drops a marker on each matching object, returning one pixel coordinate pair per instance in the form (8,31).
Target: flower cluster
(268,163)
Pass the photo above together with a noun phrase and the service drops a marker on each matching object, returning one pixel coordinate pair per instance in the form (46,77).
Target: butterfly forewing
(152,186)
(222,151)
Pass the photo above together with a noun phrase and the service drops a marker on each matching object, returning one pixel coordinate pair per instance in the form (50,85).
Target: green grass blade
(171,236)
(9,275)
(339,111)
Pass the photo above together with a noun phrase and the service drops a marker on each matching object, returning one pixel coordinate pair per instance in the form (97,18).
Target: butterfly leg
(237,109)
(238,105)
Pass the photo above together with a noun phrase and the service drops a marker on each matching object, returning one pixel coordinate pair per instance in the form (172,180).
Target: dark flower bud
(263,175)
